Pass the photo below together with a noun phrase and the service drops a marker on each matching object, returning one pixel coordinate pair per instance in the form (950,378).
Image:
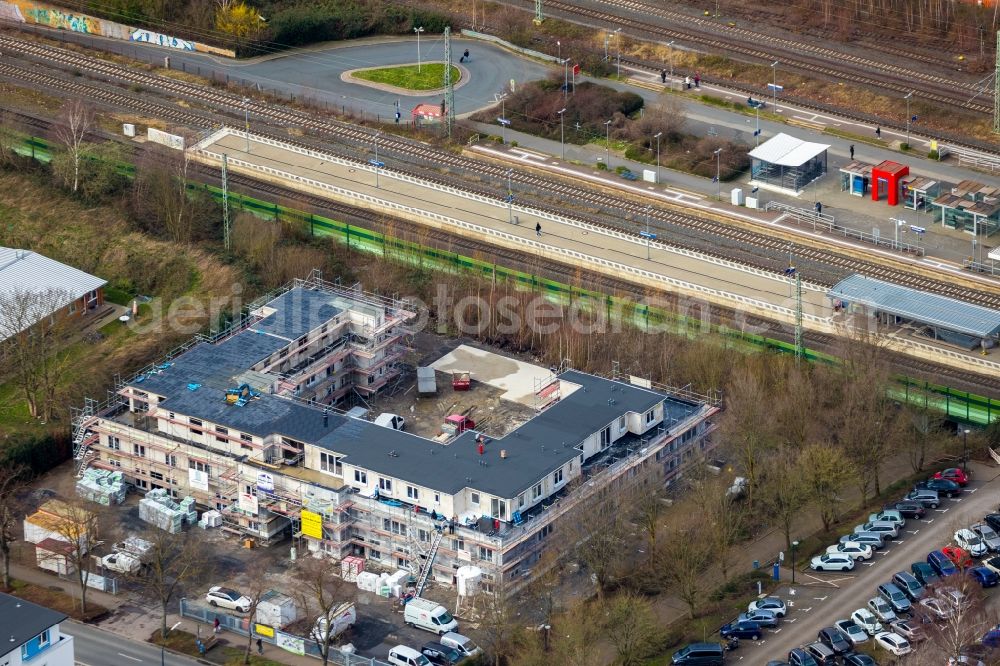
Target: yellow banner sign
(312,524)
(263,630)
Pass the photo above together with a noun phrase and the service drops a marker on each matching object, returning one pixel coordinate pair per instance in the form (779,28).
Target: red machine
(461,380)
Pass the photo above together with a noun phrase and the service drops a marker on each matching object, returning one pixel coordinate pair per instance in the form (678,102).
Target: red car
(958,556)
(953,474)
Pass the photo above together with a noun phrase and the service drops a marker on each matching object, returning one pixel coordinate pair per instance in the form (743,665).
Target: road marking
(868,564)
(120,654)
(941,510)
(777,631)
(820,598)
(959,499)
(971,491)
(806,610)
(928,521)
(794,619)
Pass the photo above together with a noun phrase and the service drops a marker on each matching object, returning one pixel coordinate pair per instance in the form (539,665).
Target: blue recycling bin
(756,564)
(777,572)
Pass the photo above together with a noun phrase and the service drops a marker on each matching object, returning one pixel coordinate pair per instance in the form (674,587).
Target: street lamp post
(965,450)
(907,98)
(375,161)
(774,83)
(648,235)
(718,170)
(795,544)
(503,117)
(607,138)
(246,120)
(510,199)
(670,46)
(896,223)
(657,137)
(418,31)
(562,134)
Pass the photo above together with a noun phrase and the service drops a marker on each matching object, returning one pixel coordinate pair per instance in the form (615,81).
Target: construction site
(302,423)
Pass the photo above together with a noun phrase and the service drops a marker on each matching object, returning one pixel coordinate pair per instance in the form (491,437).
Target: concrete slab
(518,379)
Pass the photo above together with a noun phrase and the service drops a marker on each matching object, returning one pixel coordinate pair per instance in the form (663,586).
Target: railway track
(510,258)
(815,59)
(356,135)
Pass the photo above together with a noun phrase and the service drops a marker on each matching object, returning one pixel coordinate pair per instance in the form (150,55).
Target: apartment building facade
(276,464)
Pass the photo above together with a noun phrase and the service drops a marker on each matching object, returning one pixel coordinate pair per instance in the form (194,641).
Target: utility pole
(449,85)
(657,137)
(225,201)
(538,13)
(718,170)
(510,199)
(562,134)
(246,119)
(996,90)
(907,98)
(418,31)
(618,46)
(799,349)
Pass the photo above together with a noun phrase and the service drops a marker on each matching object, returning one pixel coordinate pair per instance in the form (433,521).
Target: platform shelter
(788,163)
(939,318)
(918,192)
(856,177)
(971,206)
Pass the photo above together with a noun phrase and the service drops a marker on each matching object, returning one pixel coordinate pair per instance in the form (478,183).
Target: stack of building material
(276,610)
(396,583)
(350,567)
(103,486)
(368,581)
(210,519)
(157,508)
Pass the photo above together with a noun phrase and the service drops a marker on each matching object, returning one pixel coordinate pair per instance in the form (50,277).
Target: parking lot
(819,599)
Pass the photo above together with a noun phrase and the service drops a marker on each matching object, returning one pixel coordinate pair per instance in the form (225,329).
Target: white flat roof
(994,253)
(787,150)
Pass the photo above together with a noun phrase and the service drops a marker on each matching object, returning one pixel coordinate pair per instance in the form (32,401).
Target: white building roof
(27,271)
(787,151)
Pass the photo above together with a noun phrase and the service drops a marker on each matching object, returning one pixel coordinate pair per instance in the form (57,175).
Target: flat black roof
(538,447)
(23,621)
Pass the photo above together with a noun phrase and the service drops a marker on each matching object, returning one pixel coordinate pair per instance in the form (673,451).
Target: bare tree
(970,619)
(784,491)
(825,471)
(321,593)
(631,628)
(923,435)
(77,524)
(12,481)
(682,556)
(497,618)
(598,533)
(75,119)
(173,562)
(31,328)
(254,591)
(747,426)
(726,516)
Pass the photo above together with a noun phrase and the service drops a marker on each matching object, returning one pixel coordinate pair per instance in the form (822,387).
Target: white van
(463,644)
(390,420)
(407,656)
(429,616)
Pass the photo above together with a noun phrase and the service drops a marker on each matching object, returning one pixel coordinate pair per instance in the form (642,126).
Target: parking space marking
(791,620)
(941,510)
(807,609)
(911,531)
(820,598)
(959,499)
(971,491)
(928,521)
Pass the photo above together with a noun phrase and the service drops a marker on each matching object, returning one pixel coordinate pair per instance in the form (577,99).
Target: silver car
(888,530)
(876,541)
(989,537)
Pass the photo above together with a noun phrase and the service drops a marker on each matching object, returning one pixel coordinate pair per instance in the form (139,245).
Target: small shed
(426,380)
(887,181)
(788,163)
(276,610)
(427,113)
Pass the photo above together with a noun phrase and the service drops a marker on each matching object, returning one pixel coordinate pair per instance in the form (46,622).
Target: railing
(973,158)
(822,221)
(574,256)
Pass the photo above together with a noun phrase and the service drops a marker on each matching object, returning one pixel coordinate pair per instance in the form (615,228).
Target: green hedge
(38,453)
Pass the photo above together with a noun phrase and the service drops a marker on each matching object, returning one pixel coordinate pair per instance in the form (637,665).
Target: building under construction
(245,424)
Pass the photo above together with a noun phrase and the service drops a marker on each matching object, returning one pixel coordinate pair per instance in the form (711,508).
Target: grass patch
(860,138)
(430,76)
(56,600)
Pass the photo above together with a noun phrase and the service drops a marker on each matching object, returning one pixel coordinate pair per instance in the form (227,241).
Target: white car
(854,632)
(893,643)
(773,604)
(971,542)
(121,563)
(832,562)
(865,619)
(882,610)
(225,597)
(858,551)
(936,608)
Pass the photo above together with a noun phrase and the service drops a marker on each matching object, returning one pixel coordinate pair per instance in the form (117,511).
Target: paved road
(96,647)
(821,599)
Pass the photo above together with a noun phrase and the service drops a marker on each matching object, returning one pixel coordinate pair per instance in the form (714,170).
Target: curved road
(314,72)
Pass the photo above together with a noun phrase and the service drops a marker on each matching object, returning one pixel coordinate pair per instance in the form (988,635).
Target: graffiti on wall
(29,11)
(148,37)
(61,20)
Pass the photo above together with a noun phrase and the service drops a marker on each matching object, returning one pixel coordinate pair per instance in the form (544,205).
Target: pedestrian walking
(687,82)
(819,208)
(852,151)
(697,80)
(260,646)
(663,75)
(215,626)
(538,228)
(466,54)
(878,132)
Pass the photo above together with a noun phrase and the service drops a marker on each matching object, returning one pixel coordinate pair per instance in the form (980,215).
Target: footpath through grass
(430,76)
